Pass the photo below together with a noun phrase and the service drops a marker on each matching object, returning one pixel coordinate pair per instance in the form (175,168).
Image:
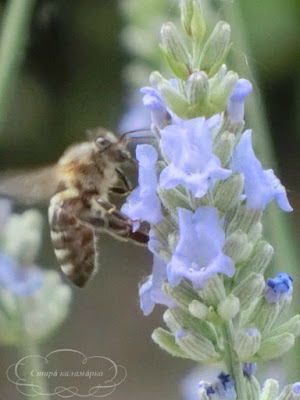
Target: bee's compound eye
(103,143)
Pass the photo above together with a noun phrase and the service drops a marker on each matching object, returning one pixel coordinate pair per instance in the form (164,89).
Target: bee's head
(107,143)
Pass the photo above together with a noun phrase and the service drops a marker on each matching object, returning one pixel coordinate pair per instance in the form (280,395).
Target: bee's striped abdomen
(73,241)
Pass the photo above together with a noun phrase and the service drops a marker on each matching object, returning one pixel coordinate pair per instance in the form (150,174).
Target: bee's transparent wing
(30,187)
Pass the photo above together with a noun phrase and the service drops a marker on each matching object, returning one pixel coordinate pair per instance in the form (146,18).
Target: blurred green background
(74,75)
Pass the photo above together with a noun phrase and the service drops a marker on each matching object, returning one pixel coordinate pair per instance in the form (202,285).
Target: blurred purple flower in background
(222,389)
(20,280)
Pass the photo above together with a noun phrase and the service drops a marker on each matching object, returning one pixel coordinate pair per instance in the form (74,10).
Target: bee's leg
(103,215)
(106,205)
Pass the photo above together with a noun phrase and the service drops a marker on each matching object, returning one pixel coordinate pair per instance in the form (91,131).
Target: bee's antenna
(152,136)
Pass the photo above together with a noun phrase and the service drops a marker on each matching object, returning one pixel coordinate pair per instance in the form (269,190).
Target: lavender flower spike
(188,146)
(143,203)
(261,186)
(236,102)
(198,254)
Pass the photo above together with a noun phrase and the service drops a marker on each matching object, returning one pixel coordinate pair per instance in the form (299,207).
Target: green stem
(34,365)
(234,366)
(14,33)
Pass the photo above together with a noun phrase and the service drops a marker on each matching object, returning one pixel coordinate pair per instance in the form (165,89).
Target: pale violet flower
(19,280)
(188,146)
(154,102)
(198,254)
(236,102)
(154,244)
(151,292)
(143,203)
(261,186)
(279,288)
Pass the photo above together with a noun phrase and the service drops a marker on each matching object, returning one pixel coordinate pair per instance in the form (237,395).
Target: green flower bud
(255,233)
(22,236)
(264,315)
(270,390)
(219,94)
(198,26)
(166,341)
(249,289)
(224,147)
(192,20)
(213,317)
(275,346)
(182,294)
(227,193)
(229,307)
(177,318)
(187,10)
(244,219)
(175,101)
(247,343)
(291,326)
(289,393)
(190,338)
(252,388)
(156,78)
(175,51)
(198,349)
(237,246)
(171,199)
(198,309)
(216,48)
(197,88)
(258,260)
(213,291)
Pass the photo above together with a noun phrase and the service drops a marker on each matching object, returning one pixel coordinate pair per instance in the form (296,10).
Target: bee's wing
(29,187)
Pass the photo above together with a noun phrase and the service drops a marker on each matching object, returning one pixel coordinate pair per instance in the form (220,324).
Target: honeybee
(80,186)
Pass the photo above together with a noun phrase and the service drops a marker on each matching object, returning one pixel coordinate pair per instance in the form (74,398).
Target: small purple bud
(236,102)
(180,334)
(249,369)
(279,288)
